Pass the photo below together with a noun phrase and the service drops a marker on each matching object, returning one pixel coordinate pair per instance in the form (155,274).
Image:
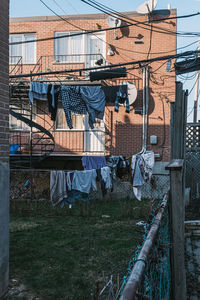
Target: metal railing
(61,62)
(15,65)
(149,273)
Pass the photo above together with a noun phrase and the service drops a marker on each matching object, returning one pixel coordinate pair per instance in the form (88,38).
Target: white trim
(22,35)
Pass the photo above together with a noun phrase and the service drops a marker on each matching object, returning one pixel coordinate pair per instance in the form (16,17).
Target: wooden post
(196,95)
(177,217)
(179,123)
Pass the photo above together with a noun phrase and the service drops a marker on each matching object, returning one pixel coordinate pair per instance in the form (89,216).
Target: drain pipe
(145,108)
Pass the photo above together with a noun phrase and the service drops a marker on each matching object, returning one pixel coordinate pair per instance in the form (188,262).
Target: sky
(28,8)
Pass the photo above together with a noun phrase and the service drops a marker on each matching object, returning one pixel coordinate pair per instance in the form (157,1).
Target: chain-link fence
(30,191)
(156,277)
(193,173)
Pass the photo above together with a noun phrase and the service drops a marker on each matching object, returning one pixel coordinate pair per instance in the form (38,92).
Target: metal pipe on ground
(130,291)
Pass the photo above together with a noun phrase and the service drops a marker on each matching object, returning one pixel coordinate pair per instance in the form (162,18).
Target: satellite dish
(131,91)
(113,22)
(147,7)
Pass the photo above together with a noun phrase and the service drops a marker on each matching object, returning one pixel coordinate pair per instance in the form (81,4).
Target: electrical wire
(78,27)
(72,6)
(135,62)
(98,30)
(109,11)
(193,86)
(125,16)
(117,46)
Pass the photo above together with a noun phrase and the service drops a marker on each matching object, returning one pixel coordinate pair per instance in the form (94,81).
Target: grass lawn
(62,253)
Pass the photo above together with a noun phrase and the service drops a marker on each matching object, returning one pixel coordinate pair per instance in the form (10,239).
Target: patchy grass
(64,254)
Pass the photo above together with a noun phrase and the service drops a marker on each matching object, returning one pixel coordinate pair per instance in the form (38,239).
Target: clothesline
(79,99)
(65,187)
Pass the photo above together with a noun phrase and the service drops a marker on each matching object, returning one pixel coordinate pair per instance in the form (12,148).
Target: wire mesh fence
(30,191)
(156,279)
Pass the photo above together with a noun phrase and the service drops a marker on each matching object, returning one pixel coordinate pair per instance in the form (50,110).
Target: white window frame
(23,35)
(85,46)
(69,39)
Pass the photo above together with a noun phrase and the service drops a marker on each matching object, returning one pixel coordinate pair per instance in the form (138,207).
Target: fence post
(177,217)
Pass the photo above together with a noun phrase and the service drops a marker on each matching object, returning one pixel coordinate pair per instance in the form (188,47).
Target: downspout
(145,108)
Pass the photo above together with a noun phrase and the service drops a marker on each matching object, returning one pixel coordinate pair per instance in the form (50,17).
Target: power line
(98,30)
(109,11)
(145,23)
(80,28)
(138,62)
(117,47)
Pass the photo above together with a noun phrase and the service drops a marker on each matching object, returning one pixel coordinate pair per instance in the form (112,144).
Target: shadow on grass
(63,253)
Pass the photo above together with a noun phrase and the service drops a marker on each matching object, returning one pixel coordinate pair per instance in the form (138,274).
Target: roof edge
(74,17)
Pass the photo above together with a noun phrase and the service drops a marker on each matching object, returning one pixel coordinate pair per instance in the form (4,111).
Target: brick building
(120,133)
(4,147)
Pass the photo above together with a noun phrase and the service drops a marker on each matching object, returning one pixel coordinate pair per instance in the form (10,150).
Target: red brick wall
(123,131)
(4,94)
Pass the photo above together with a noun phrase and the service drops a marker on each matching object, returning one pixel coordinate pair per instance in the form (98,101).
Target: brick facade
(123,131)
(4,147)
(4,94)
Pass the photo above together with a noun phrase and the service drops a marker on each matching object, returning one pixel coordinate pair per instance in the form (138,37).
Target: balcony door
(96,48)
(94,139)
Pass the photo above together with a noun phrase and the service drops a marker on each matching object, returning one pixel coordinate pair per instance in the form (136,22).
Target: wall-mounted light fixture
(110,51)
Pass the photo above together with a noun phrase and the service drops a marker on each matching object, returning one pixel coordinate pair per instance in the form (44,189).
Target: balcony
(53,63)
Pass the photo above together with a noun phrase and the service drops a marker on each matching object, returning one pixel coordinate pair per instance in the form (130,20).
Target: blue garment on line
(122,96)
(72,102)
(77,195)
(93,162)
(38,90)
(95,101)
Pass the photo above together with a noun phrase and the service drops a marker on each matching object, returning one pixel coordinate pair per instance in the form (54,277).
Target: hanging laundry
(110,93)
(94,98)
(38,90)
(122,97)
(52,97)
(58,192)
(119,165)
(106,176)
(102,182)
(72,102)
(142,169)
(83,181)
(70,176)
(77,195)
(93,162)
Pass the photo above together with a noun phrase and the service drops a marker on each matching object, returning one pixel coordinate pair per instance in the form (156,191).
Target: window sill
(67,63)
(70,130)
(27,64)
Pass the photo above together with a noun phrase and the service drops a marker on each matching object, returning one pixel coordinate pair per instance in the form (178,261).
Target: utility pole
(196,96)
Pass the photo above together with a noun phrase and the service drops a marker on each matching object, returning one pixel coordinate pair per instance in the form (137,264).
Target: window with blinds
(25,51)
(79,48)
(69,49)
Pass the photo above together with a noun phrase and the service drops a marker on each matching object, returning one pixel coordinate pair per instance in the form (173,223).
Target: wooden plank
(177,215)
(178,123)
(175,164)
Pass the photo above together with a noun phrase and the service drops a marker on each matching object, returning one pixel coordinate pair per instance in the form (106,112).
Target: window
(23,109)
(69,49)
(77,120)
(26,51)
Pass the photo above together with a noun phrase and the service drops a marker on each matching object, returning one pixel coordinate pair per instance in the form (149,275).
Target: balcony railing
(15,66)
(59,62)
